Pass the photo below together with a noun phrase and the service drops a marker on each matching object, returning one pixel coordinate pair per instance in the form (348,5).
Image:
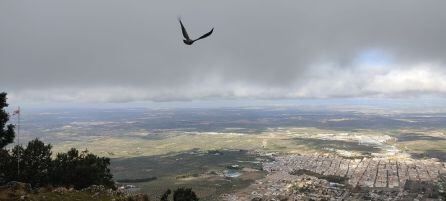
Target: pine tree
(35,163)
(81,170)
(6,172)
(6,134)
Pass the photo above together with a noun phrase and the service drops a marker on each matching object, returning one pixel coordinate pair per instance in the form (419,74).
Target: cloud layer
(120,51)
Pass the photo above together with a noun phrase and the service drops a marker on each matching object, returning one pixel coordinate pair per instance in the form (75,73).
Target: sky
(114,51)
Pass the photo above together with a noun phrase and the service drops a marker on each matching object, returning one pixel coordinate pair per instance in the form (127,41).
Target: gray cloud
(118,51)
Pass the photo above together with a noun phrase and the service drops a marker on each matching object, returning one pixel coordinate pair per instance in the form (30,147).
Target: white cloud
(324,81)
(422,78)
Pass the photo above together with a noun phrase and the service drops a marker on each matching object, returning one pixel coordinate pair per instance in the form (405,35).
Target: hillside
(23,191)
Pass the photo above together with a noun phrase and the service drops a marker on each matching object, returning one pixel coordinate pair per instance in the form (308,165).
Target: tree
(165,196)
(6,170)
(35,163)
(6,137)
(63,167)
(181,194)
(6,131)
(38,168)
(184,194)
(81,170)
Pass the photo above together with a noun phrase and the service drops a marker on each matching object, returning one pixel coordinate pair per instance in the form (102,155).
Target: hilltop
(24,191)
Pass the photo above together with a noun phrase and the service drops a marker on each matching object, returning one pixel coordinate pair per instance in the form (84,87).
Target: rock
(15,191)
(19,186)
(60,190)
(44,189)
(94,189)
(95,195)
(139,197)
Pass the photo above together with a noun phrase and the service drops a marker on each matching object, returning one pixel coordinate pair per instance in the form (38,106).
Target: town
(330,177)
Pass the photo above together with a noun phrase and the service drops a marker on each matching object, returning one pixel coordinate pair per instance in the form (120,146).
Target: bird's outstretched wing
(206,35)
(184,30)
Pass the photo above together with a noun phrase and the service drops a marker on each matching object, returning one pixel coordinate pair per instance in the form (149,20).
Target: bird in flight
(189,41)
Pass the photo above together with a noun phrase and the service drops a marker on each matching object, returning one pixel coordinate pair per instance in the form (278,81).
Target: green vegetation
(336,145)
(33,164)
(181,194)
(6,131)
(234,167)
(21,191)
(187,175)
(56,196)
(201,171)
(422,143)
(136,180)
(81,170)
(128,146)
(75,169)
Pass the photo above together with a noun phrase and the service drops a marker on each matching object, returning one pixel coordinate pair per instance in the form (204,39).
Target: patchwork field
(218,151)
(208,173)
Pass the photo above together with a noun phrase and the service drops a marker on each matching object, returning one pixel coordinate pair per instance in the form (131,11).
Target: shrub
(81,170)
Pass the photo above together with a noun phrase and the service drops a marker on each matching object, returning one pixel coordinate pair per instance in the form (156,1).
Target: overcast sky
(125,51)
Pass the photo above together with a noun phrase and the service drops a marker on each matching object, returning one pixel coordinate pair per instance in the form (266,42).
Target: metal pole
(18,143)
